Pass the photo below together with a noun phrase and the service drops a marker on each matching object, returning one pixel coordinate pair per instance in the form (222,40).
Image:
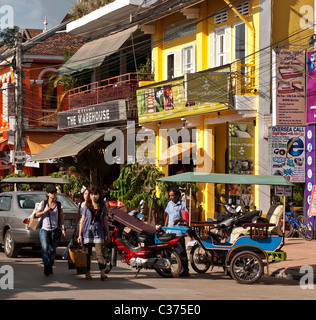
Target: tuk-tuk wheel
(246,267)
(199,259)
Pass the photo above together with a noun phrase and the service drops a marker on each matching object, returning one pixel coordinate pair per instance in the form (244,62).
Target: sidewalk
(299,253)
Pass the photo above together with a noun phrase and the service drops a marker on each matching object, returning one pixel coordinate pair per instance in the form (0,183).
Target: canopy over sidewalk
(199,177)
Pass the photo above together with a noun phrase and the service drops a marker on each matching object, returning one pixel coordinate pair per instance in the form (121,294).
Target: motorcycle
(146,248)
(225,228)
(233,217)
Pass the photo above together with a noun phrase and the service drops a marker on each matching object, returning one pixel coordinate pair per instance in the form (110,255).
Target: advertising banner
(311,87)
(184,96)
(206,87)
(290,88)
(241,155)
(287,145)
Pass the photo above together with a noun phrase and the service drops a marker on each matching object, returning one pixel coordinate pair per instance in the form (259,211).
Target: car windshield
(27,201)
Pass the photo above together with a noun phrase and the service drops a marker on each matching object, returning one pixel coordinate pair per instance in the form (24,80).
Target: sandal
(103,276)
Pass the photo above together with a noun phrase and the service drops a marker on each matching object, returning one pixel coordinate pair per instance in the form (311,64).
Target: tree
(139,182)
(84,7)
(90,163)
(7,36)
(55,80)
(77,180)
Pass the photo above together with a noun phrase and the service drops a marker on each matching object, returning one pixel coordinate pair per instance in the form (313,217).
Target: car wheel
(10,247)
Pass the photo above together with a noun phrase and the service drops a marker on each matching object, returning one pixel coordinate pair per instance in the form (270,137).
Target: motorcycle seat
(163,237)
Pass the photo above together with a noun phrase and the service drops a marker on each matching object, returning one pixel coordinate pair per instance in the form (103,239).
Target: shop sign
(241,148)
(170,99)
(206,87)
(311,87)
(312,205)
(289,101)
(287,147)
(310,166)
(100,113)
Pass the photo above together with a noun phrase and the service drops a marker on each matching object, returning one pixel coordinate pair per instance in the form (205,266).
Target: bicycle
(297,224)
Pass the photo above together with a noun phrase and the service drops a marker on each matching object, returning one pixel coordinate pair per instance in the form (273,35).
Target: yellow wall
(290,22)
(201,40)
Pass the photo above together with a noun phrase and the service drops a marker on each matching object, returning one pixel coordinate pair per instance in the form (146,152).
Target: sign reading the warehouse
(290,88)
(100,113)
(175,99)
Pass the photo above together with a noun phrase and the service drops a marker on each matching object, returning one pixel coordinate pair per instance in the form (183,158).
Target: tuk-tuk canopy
(199,177)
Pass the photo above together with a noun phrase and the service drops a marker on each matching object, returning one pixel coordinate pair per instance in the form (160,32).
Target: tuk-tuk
(243,258)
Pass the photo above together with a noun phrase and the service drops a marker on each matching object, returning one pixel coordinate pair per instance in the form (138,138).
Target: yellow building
(212,63)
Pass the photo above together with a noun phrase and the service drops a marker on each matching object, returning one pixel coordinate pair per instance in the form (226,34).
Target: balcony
(115,88)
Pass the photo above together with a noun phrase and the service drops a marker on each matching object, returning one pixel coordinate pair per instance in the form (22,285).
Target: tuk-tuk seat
(273,218)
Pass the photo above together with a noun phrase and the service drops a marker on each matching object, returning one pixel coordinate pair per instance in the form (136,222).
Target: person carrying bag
(52,228)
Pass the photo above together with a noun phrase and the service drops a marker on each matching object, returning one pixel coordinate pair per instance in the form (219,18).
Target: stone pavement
(299,253)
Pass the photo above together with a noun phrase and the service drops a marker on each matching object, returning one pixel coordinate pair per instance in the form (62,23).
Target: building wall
(212,134)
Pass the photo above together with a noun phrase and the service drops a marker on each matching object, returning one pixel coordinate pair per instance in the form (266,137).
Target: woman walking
(52,218)
(93,228)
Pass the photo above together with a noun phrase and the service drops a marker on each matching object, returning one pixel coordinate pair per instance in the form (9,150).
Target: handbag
(77,259)
(35,223)
(56,234)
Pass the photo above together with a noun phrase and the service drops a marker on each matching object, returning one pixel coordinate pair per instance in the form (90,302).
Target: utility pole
(18,101)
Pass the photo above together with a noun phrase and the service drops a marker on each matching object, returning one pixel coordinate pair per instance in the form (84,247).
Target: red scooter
(142,247)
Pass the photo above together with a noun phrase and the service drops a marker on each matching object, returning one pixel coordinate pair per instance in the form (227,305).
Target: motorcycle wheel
(199,259)
(172,271)
(246,267)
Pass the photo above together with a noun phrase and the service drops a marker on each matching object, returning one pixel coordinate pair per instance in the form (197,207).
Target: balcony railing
(243,78)
(115,88)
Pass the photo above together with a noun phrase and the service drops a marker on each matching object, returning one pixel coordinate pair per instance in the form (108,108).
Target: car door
(5,205)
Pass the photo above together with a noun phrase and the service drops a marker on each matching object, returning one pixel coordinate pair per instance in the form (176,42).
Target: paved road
(30,283)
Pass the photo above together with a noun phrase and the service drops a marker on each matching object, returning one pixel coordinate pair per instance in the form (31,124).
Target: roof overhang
(107,17)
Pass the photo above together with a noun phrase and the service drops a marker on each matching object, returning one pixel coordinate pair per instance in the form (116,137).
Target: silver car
(15,209)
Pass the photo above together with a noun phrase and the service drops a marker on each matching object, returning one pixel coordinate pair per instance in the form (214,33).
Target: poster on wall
(241,148)
(311,87)
(290,88)
(287,146)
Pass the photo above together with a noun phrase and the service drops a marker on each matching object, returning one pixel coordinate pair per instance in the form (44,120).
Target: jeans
(48,247)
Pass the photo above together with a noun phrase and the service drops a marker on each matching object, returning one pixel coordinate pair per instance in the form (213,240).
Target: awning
(70,145)
(176,153)
(92,54)
(38,141)
(198,177)
(39,180)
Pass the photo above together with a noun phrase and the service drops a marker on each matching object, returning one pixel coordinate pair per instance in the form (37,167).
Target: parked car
(15,209)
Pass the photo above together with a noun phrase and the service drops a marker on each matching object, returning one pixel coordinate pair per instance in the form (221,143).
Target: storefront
(198,129)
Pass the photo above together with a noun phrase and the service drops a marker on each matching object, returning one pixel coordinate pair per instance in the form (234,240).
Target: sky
(31,13)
